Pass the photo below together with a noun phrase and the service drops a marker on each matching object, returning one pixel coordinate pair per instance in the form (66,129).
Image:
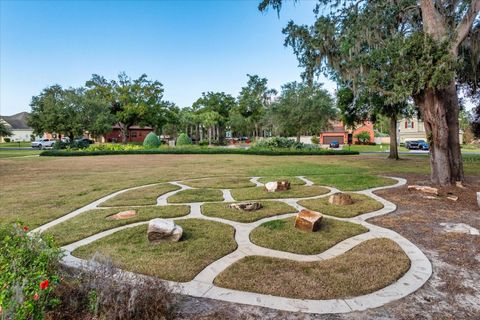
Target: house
(135,134)
(339,132)
(18,124)
(413,129)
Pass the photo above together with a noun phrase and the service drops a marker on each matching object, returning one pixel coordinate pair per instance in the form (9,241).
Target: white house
(19,127)
(414,129)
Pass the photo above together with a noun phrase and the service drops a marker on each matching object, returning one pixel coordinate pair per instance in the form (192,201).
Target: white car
(43,143)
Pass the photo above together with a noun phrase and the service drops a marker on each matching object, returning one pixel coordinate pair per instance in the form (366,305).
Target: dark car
(412,144)
(334,144)
(422,145)
(84,141)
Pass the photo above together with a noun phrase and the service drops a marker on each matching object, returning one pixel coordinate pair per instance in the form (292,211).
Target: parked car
(422,145)
(334,144)
(43,143)
(84,140)
(412,144)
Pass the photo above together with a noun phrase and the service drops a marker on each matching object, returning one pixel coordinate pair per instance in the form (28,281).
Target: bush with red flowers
(28,273)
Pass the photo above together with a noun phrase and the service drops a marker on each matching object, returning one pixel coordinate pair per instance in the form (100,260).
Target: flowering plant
(28,273)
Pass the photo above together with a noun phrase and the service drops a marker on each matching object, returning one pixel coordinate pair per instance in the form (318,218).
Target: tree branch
(465,25)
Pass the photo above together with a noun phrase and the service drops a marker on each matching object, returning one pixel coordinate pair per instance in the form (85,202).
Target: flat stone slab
(122,215)
(460,228)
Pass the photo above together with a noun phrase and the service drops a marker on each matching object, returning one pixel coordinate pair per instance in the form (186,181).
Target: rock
(122,215)
(340,199)
(271,186)
(425,189)
(460,228)
(161,230)
(459,184)
(307,220)
(452,197)
(275,186)
(246,206)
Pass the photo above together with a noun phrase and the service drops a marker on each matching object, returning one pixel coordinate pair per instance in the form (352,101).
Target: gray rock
(161,230)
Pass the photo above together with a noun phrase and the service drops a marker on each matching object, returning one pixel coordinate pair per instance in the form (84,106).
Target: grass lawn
(21,144)
(18,153)
(49,187)
(141,196)
(269,208)
(196,195)
(282,235)
(368,267)
(361,204)
(220,183)
(351,182)
(294,192)
(293,180)
(202,243)
(372,148)
(94,221)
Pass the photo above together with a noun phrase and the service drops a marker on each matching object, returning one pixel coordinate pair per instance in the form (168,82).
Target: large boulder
(246,206)
(161,230)
(340,199)
(123,215)
(271,186)
(307,220)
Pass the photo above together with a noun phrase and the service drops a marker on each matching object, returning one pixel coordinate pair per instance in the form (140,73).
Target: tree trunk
(210,136)
(124,132)
(298,137)
(393,138)
(440,115)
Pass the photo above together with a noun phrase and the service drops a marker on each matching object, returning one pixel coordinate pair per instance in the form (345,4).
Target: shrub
(183,140)
(7,139)
(151,141)
(28,273)
(315,140)
(279,142)
(363,137)
(203,143)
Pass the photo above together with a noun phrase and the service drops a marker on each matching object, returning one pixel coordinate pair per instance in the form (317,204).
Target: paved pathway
(202,285)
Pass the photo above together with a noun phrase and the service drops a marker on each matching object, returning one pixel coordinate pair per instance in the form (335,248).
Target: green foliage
(363,137)
(279,143)
(183,140)
(28,273)
(4,130)
(151,141)
(112,147)
(315,140)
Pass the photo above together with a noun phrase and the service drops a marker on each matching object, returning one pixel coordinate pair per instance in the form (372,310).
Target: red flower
(44,285)
(25,228)
(35,296)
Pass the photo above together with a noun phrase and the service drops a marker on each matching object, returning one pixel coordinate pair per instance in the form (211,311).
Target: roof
(17,121)
(116,126)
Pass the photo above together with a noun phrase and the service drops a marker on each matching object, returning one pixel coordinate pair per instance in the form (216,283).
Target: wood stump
(307,220)
(246,206)
(340,199)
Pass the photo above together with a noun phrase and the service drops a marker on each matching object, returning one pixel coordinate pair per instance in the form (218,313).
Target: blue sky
(190,46)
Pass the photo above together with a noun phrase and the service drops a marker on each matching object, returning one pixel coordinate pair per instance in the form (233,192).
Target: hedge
(251,151)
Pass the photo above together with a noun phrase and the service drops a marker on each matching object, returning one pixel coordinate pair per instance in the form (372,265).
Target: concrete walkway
(202,285)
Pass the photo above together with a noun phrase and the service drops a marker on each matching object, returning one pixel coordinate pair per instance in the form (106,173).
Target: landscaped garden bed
(202,243)
(220,183)
(295,192)
(196,195)
(361,204)
(140,196)
(283,236)
(224,211)
(95,221)
(370,266)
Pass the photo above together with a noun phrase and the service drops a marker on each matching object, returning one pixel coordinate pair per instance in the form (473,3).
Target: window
(409,124)
(133,134)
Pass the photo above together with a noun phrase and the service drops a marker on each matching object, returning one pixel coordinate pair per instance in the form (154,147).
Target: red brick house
(338,132)
(135,134)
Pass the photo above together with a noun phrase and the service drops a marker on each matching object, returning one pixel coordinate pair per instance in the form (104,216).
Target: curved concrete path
(202,285)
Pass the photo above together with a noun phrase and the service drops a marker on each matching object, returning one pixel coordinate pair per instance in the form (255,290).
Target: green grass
(351,182)
(269,208)
(293,180)
(202,243)
(295,191)
(372,148)
(282,235)
(196,195)
(17,153)
(21,144)
(361,204)
(141,196)
(94,221)
(220,183)
(368,267)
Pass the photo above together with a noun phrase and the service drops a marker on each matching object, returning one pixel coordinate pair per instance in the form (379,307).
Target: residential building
(19,127)
(339,132)
(135,134)
(409,129)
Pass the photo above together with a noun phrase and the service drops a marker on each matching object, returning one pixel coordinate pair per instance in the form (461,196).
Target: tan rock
(123,215)
(452,198)
(161,230)
(425,189)
(307,220)
(246,206)
(340,199)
